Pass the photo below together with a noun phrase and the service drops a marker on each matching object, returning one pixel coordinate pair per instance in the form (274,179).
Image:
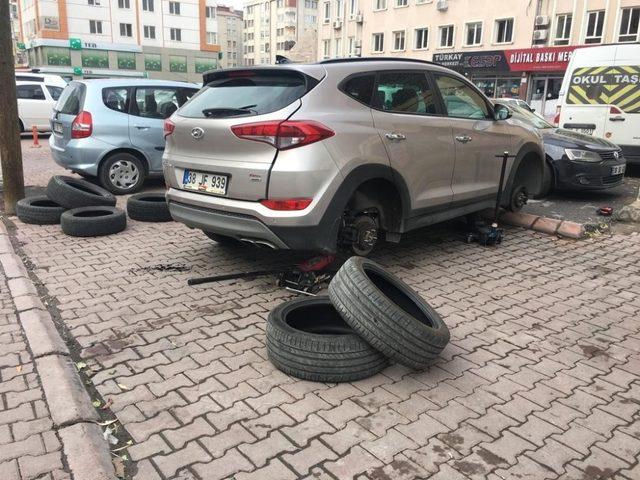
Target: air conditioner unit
(337,24)
(359,18)
(542,21)
(540,35)
(442,5)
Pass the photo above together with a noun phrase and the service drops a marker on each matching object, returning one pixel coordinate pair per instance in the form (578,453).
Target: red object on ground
(605,211)
(34,134)
(316,264)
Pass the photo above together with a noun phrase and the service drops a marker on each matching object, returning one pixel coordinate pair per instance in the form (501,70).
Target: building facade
(176,40)
(340,29)
(279,27)
(230,28)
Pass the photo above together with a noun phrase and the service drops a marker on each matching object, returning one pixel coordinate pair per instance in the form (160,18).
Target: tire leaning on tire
(39,210)
(93,221)
(148,207)
(73,192)
(387,313)
(307,338)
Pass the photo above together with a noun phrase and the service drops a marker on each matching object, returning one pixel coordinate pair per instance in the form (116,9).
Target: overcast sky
(237,4)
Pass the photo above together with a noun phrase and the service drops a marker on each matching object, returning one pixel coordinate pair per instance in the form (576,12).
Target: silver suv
(340,153)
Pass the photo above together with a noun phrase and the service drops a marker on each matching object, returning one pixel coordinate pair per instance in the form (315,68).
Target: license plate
(586,131)
(618,169)
(205,182)
(57,128)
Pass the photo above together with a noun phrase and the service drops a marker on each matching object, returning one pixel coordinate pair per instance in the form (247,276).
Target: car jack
(480,232)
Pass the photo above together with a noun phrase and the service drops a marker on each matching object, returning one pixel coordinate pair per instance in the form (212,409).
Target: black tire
(387,313)
(223,239)
(71,192)
(122,173)
(307,338)
(93,221)
(518,198)
(148,207)
(39,210)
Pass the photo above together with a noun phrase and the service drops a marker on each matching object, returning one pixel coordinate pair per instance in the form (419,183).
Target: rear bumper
(81,155)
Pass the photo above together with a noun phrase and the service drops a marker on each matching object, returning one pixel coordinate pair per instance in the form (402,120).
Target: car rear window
(360,87)
(71,99)
(244,93)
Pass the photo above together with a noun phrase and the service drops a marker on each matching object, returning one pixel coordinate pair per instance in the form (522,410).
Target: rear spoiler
(267,71)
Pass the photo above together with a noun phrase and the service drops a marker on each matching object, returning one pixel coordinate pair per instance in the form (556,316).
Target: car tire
(518,198)
(223,239)
(39,210)
(122,173)
(93,221)
(547,181)
(308,339)
(148,207)
(71,192)
(387,313)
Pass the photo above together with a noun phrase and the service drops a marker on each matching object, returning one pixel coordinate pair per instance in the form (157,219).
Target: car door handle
(619,118)
(463,138)
(142,127)
(396,136)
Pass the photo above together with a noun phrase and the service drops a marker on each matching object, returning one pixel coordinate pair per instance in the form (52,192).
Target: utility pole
(10,149)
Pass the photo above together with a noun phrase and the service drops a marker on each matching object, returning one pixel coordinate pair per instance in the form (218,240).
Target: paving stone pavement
(540,380)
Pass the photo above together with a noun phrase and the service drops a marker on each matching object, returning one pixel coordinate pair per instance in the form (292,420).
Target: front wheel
(122,173)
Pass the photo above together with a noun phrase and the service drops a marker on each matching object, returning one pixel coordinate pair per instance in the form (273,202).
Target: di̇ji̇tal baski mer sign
(619,86)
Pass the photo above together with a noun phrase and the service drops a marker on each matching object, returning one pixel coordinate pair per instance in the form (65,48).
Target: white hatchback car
(36,99)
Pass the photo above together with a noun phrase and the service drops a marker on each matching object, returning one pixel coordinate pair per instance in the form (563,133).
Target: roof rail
(376,59)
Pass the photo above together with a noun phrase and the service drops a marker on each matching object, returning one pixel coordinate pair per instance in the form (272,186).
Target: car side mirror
(501,112)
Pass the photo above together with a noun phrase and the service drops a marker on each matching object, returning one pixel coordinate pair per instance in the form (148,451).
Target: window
(404,92)
(124,4)
(212,38)
(504,30)
(353,7)
(174,8)
(93,2)
(150,32)
(378,42)
(126,30)
(327,12)
(69,101)
(352,47)
(563,29)
(446,36)
(210,12)
(398,40)
(338,47)
(95,26)
(380,4)
(153,102)
(116,98)
(460,99)
(313,4)
(339,9)
(402,3)
(629,25)
(595,24)
(30,92)
(55,92)
(147,5)
(474,33)
(326,49)
(175,34)
(360,88)
(421,38)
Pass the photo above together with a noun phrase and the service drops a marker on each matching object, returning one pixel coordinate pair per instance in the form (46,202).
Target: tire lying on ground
(93,221)
(148,207)
(387,313)
(73,192)
(307,338)
(39,210)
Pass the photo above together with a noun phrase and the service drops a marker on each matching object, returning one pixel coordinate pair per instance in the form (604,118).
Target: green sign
(95,59)
(20,46)
(75,44)
(205,64)
(126,61)
(77,71)
(178,64)
(153,62)
(57,56)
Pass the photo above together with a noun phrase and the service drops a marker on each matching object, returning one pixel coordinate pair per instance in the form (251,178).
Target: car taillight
(287,204)
(556,118)
(82,125)
(615,111)
(168,127)
(283,134)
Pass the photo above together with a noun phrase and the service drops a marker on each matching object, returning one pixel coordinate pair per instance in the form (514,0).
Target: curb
(69,403)
(630,213)
(550,226)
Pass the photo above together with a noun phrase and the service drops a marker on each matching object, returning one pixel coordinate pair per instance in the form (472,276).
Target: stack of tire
(369,318)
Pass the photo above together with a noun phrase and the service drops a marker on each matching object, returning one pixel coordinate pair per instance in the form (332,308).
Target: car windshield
(526,116)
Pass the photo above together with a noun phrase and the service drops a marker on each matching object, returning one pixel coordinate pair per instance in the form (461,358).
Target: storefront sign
(490,60)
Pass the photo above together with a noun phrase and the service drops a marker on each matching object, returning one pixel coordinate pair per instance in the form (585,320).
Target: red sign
(539,59)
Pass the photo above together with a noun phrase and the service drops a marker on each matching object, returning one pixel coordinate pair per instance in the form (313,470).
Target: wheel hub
(124,174)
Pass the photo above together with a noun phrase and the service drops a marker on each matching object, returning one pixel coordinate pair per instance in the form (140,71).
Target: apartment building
(230,29)
(19,53)
(509,48)
(279,27)
(167,39)
(340,29)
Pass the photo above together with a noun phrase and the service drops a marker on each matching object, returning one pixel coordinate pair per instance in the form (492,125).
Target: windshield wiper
(228,111)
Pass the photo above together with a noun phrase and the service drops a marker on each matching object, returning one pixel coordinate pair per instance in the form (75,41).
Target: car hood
(571,139)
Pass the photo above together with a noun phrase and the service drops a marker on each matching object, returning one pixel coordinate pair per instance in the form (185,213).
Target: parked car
(112,129)
(47,78)
(600,96)
(515,102)
(575,161)
(340,153)
(36,99)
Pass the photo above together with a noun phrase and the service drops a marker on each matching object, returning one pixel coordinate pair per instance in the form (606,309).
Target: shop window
(378,42)
(629,25)
(595,25)
(563,29)
(446,36)
(421,38)
(504,30)
(474,33)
